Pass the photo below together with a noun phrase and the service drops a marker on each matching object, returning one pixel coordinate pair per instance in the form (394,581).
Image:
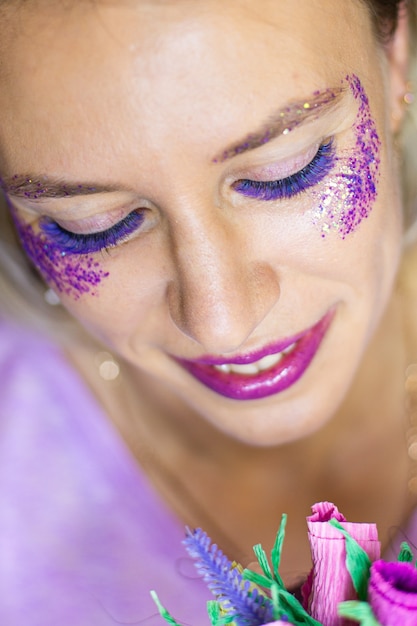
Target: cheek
(348,195)
(72,275)
(131,304)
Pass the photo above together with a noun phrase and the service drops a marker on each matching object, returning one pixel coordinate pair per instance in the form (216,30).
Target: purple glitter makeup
(349,195)
(71,275)
(32,188)
(285,121)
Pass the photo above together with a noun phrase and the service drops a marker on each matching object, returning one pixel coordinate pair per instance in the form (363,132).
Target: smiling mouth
(264,364)
(265,372)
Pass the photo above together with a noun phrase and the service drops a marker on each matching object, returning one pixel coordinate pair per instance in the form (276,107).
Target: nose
(219,295)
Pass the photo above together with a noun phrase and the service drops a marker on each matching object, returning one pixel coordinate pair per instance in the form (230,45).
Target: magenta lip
(279,378)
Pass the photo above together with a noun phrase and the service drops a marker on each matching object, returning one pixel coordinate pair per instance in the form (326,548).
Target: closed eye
(292,185)
(76,243)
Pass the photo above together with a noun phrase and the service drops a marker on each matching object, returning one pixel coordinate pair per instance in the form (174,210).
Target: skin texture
(211,272)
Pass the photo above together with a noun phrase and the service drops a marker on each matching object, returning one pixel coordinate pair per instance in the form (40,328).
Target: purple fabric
(83,537)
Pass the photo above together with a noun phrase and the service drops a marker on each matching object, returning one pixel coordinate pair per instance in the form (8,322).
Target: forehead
(82,73)
(43,20)
(43,37)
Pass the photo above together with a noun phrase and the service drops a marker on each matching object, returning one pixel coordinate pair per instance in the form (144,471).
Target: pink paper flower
(393,593)
(329,582)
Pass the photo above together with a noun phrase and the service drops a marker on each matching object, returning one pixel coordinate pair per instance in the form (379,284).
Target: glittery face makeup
(70,275)
(307,177)
(53,247)
(348,196)
(344,188)
(21,186)
(285,121)
(35,190)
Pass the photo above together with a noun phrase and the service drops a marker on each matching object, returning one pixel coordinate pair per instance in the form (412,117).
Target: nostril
(220,312)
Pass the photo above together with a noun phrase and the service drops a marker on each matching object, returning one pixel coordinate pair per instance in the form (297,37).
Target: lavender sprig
(247,605)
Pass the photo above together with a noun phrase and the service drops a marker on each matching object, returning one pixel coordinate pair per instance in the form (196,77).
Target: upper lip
(251,357)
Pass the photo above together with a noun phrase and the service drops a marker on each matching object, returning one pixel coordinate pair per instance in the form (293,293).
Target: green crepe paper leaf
(357,562)
(213,610)
(405,555)
(263,561)
(162,610)
(275,558)
(287,606)
(275,602)
(257,579)
(215,614)
(277,550)
(359,612)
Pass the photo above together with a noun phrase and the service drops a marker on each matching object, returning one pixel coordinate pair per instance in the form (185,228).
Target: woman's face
(210,188)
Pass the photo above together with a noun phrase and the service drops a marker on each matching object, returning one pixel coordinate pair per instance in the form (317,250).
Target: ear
(397,51)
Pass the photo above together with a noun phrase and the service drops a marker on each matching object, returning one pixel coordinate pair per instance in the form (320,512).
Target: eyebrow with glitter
(284,121)
(39,187)
(281,122)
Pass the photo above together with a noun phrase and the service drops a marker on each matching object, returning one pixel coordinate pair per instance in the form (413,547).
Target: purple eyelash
(290,186)
(76,243)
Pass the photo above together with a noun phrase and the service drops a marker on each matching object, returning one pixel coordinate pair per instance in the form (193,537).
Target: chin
(270,426)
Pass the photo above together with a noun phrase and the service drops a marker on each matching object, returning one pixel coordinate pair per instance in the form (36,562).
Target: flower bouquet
(348,583)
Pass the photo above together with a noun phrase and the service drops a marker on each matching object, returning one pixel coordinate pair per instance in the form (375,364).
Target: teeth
(269,361)
(248,369)
(223,368)
(289,349)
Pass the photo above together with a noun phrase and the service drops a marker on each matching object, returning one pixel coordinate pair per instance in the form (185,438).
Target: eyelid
(280,169)
(290,186)
(98,219)
(82,214)
(93,224)
(86,243)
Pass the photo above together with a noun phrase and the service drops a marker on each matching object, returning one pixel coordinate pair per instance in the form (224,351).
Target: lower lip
(279,378)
